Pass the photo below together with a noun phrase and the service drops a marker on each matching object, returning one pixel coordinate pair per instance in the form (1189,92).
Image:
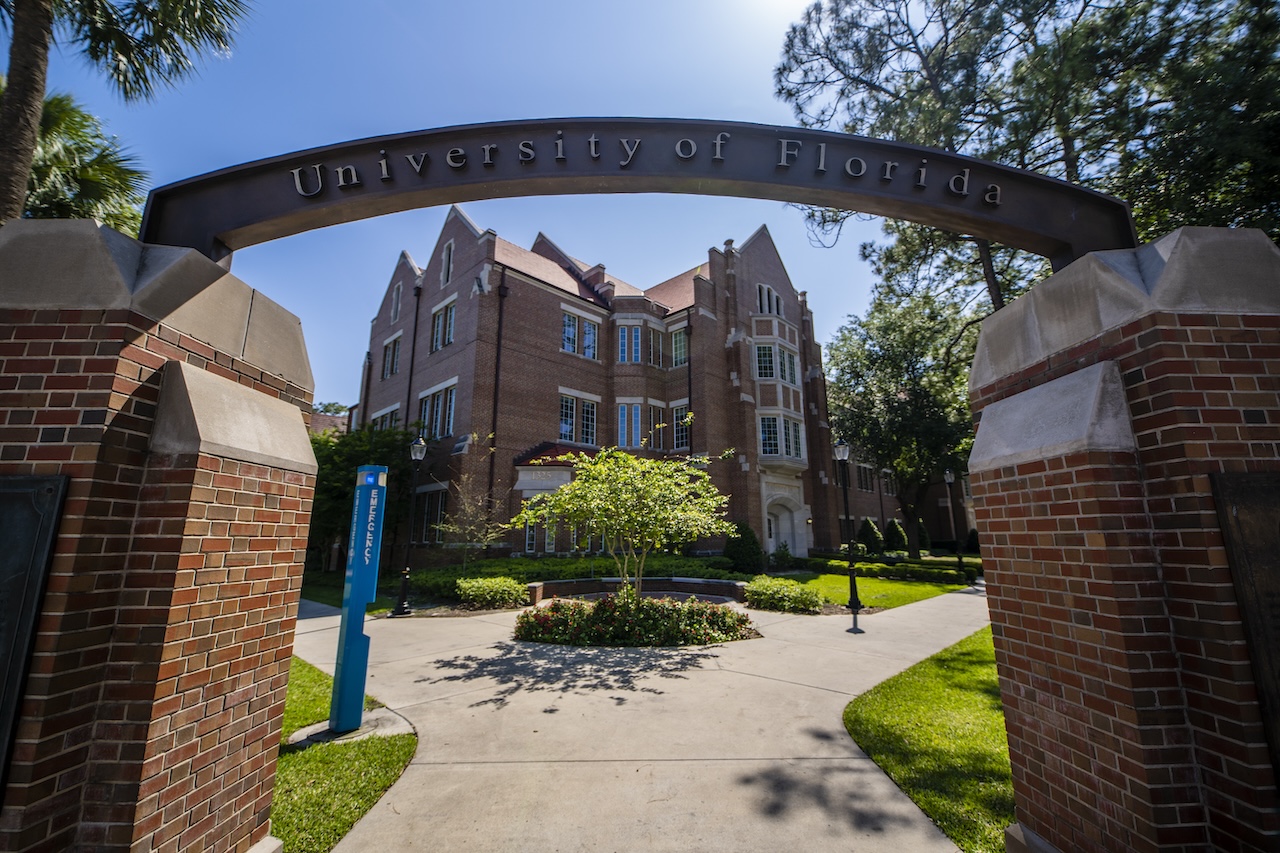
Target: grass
(327,588)
(937,729)
(322,790)
(875,592)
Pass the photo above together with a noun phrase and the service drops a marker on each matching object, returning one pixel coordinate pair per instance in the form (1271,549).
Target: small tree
(471,522)
(634,504)
(744,549)
(895,538)
(869,536)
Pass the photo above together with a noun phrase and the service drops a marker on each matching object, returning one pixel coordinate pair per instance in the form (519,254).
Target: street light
(841,450)
(950,477)
(417,452)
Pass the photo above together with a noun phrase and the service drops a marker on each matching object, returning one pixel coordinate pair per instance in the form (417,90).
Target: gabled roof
(543,269)
(677,293)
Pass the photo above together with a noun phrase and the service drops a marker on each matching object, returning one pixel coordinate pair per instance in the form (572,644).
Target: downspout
(688,365)
(413,349)
(503,291)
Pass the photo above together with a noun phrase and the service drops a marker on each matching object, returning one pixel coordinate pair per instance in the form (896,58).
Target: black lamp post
(855,603)
(950,477)
(417,452)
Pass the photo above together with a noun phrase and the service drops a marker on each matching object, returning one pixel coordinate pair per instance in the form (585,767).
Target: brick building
(508,355)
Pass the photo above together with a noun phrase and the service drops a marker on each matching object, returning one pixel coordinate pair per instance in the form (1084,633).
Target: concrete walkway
(524,746)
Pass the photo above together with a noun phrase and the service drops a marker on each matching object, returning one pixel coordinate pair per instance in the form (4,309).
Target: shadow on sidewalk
(521,667)
(843,790)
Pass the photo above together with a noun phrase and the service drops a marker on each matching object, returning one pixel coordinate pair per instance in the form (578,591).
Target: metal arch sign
(245,205)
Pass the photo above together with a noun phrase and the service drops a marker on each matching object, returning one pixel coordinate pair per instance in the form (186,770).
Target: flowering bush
(492,593)
(782,594)
(625,620)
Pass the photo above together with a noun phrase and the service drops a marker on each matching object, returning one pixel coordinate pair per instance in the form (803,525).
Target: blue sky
(306,73)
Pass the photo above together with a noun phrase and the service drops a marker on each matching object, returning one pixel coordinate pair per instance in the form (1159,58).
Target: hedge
(906,572)
(441,583)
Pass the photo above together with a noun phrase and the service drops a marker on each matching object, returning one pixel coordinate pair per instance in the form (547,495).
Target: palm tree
(138,44)
(78,172)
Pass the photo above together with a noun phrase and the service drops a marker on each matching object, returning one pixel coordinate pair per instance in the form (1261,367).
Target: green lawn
(322,790)
(874,592)
(326,588)
(937,729)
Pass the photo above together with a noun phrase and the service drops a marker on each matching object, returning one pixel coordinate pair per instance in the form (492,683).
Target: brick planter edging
(540,590)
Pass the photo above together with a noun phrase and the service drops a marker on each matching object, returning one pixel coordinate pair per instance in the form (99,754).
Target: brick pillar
(170,394)
(1107,397)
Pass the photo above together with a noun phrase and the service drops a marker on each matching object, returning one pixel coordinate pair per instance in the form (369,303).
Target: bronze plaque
(29,511)
(1249,512)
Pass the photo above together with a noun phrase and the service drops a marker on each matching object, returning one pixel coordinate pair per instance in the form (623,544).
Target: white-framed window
(679,347)
(569,333)
(680,429)
(579,335)
(889,483)
(549,539)
(787,366)
(780,436)
(434,512)
(629,344)
(764,361)
(588,424)
(385,419)
(568,417)
(769,436)
(442,327)
(446,264)
(866,478)
(629,434)
(577,416)
(655,347)
(655,426)
(391,358)
(436,412)
(530,538)
(396,293)
(791,439)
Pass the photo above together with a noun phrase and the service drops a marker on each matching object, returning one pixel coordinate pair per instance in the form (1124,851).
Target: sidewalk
(739,747)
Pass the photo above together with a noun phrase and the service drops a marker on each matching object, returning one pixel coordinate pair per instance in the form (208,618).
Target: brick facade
(1132,711)
(151,712)
(537,335)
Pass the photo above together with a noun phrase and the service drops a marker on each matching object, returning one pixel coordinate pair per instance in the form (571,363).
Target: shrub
(908,572)
(624,620)
(783,594)
(743,549)
(492,593)
(895,538)
(922,533)
(869,537)
(781,560)
(971,543)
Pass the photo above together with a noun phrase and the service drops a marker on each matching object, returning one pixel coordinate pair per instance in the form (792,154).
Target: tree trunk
(23,101)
